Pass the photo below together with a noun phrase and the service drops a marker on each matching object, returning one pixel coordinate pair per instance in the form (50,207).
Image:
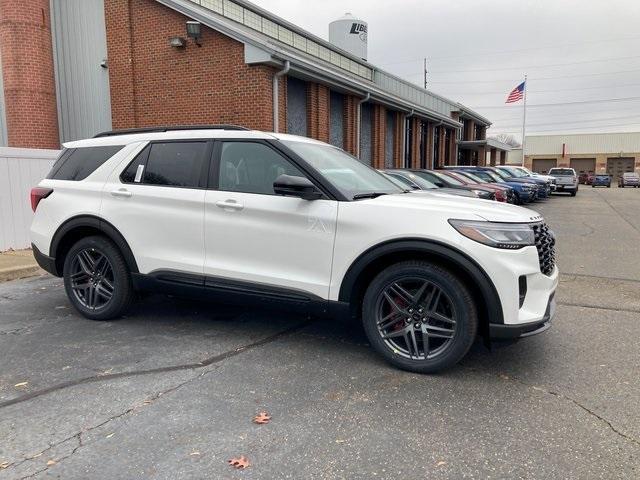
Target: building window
(424,128)
(296,106)
(436,147)
(408,143)
(336,115)
(447,146)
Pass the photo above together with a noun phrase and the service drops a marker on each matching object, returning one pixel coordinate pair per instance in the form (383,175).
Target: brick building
(93,65)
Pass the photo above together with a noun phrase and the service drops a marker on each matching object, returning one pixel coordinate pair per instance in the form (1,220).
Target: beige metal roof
(587,143)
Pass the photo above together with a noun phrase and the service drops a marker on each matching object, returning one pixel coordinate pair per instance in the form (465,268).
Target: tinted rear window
(174,164)
(562,172)
(79,163)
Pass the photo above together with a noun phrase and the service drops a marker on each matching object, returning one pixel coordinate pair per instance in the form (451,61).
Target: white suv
(245,216)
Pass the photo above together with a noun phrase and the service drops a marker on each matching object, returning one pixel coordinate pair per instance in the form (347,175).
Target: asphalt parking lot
(171,390)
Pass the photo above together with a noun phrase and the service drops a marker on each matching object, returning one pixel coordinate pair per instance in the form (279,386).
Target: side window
(252,168)
(78,163)
(174,164)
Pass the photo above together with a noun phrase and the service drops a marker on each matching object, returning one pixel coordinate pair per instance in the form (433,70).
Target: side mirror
(300,187)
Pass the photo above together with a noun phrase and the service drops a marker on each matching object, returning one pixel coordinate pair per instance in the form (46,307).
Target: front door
(255,236)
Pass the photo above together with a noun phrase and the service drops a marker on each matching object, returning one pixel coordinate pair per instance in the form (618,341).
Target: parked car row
(503,184)
(627,179)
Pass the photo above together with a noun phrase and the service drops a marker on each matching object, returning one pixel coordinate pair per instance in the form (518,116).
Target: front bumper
(505,332)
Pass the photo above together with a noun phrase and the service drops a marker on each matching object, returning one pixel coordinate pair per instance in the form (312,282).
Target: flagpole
(524,120)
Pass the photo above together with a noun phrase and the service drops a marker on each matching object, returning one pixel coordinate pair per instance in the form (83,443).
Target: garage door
(542,165)
(617,166)
(583,165)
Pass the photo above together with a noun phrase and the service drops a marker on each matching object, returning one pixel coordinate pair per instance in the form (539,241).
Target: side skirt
(234,292)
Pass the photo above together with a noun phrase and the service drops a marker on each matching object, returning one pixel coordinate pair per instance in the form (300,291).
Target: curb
(15,273)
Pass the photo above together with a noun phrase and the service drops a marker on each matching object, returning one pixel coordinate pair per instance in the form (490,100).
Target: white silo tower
(350,34)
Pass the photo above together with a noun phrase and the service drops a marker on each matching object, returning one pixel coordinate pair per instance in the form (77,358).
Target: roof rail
(130,131)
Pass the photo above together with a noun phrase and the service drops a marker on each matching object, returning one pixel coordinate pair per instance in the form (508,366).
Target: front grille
(546,246)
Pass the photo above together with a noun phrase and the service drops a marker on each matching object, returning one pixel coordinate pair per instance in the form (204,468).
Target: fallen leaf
(193,454)
(51,462)
(441,463)
(110,435)
(4,465)
(239,463)
(262,418)
(340,441)
(21,384)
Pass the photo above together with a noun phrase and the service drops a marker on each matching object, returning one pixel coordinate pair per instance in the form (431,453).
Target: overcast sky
(479,50)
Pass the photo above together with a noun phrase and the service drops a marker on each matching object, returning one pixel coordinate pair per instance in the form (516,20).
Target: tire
(574,193)
(384,301)
(93,269)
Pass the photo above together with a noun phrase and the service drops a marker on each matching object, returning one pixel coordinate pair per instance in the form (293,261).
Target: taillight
(37,194)
(500,197)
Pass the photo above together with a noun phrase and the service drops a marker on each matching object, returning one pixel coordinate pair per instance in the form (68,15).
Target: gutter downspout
(276,95)
(358,119)
(404,136)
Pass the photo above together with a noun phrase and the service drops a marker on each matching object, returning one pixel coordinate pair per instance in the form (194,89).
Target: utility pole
(425,72)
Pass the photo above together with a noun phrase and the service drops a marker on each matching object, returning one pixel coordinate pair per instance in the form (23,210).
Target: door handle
(229,205)
(122,192)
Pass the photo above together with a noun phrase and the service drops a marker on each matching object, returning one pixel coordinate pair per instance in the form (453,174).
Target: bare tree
(508,139)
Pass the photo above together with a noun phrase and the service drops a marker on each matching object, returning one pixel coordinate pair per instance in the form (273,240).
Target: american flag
(516,94)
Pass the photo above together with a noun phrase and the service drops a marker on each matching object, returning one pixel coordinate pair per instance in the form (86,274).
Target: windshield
(423,183)
(342,170)
(514,172)
(400,181)
(501,174)
(466,177)
(447,178)
(562,172)
(474,177)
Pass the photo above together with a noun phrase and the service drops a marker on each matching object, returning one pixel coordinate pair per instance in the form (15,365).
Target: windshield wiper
(369,195)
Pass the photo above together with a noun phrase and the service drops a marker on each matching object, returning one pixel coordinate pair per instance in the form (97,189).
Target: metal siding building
(614,153)
(82,79)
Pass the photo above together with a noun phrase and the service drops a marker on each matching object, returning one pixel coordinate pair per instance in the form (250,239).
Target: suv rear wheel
(97,279)
(420,317)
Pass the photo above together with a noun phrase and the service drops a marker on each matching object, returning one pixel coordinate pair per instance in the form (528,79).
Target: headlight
(481,193)
(511,236)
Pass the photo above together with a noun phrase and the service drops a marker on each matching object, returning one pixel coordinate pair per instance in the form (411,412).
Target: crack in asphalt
(596,307)
(584,275)
(172,368)
(15,331)
(569,399)
(618,213)
(78,435)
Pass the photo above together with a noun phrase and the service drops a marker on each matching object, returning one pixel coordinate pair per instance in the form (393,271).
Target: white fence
(20,169)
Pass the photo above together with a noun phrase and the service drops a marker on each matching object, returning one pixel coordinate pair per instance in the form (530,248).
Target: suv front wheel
(97,279)
(419,316)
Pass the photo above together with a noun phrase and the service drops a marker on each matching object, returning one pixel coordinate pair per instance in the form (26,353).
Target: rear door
(255,237)
(157,204)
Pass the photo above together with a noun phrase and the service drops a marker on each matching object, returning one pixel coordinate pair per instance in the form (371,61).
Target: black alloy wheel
(92,279)
(97,279)
(419,316)
(415,318)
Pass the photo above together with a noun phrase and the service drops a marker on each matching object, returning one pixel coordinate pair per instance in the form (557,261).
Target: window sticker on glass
(139,173)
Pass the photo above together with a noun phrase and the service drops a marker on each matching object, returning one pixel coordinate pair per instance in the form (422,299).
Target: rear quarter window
(78,163)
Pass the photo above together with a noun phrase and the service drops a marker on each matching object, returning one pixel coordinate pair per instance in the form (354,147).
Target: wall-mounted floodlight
(194,31)
(177,42)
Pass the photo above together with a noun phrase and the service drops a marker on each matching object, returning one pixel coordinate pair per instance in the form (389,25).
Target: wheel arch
(375,259)
(81,226)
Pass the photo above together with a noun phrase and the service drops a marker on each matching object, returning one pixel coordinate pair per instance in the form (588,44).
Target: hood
(459,207)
